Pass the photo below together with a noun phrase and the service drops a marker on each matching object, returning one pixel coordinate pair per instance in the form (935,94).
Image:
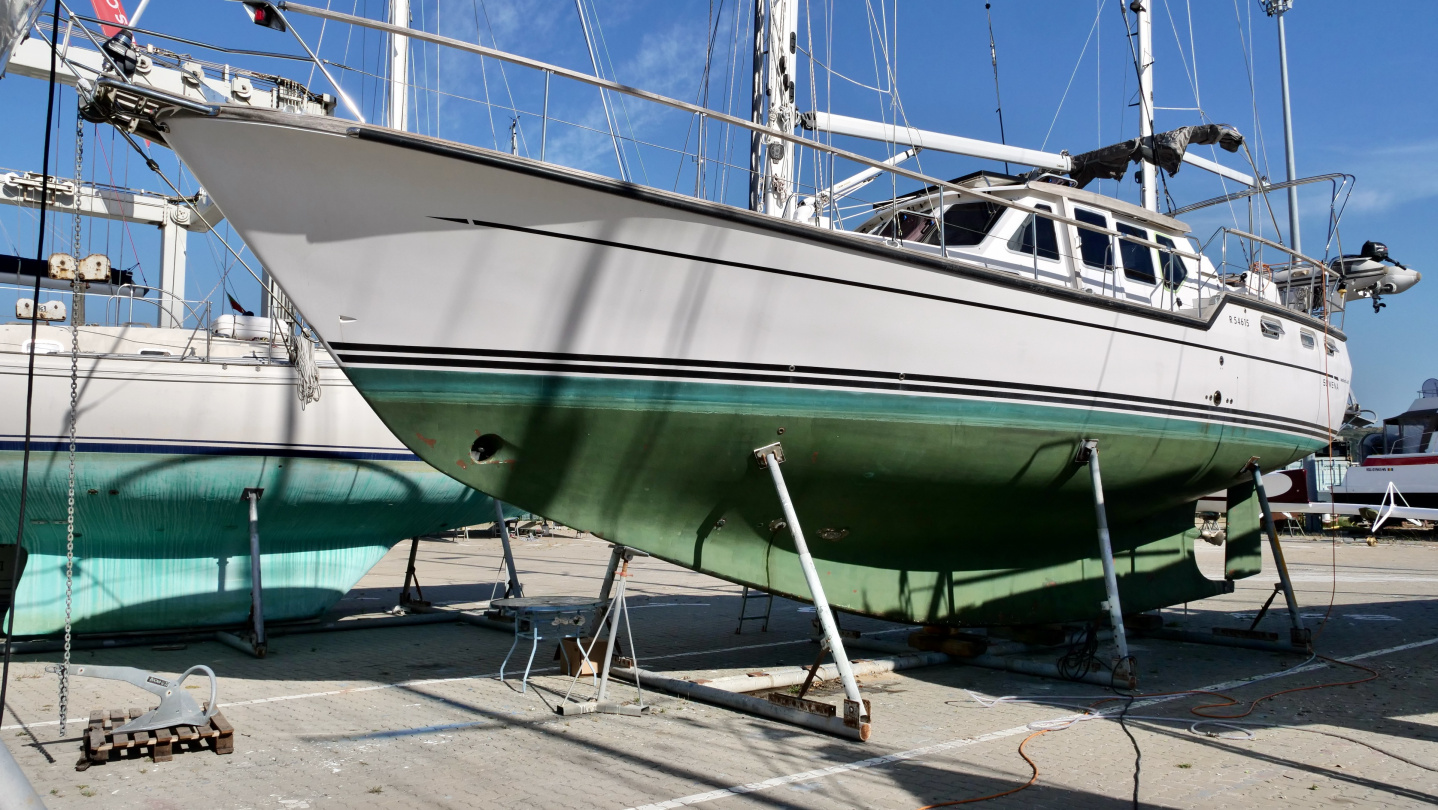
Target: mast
(756,112)
(398,67)
(771,158)
(1276,8)
(1148,176)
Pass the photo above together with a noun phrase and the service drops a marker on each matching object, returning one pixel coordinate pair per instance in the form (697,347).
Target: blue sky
(1360,106)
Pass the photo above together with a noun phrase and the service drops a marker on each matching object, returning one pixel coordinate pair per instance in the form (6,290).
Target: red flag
(235,305)
(110,11)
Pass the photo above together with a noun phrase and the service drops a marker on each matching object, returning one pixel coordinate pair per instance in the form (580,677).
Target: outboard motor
(1369,274)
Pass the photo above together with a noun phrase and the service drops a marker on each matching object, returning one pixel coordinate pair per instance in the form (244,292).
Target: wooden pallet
(101,743)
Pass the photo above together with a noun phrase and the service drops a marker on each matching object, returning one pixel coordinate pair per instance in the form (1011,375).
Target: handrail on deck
(596,81)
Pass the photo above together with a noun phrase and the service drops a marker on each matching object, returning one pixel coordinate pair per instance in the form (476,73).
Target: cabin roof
(981,179)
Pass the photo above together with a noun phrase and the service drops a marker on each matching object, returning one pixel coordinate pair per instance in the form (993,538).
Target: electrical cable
(30,372)
(1137,753)
(1032,779)
(1230,721)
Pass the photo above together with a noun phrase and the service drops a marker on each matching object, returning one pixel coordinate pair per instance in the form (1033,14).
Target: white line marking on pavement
(423,682)
(1366,578)
(874,762)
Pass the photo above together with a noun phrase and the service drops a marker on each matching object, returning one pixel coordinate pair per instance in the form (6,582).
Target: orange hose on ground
(1032,779)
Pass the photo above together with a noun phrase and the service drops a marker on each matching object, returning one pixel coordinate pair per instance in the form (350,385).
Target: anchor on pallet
(176,707)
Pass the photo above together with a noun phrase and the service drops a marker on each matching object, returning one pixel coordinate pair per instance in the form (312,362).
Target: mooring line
(914,753)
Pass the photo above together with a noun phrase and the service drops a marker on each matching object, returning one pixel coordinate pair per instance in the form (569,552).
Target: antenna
(1430,388)
(994,60)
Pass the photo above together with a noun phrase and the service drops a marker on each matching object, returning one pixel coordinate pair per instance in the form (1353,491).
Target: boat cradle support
(257,643)
(1123,669)
(856,709)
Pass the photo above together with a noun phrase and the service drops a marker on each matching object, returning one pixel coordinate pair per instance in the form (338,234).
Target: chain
(76,287)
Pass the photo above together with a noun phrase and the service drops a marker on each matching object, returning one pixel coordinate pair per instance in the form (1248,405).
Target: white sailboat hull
(648,342)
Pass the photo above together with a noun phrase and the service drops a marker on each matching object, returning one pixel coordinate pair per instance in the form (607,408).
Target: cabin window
(1137,259)
(1095,248)
(1037,231)
(1307,338)
(966,224)
(1175,269)
(1271,328)
(907,226)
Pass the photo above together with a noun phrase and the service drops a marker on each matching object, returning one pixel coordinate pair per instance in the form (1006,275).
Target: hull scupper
(930,408)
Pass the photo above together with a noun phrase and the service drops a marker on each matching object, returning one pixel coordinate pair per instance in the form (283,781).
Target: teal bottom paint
(162,540)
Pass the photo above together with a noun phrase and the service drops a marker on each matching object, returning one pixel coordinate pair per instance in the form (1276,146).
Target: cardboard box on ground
(570,655)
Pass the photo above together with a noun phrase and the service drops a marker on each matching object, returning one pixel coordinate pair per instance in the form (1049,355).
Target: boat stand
(1123,665)
(856,709)
(1299,637)
(754,594)
(407,604)
(257,644)
(512,588)
(614,612)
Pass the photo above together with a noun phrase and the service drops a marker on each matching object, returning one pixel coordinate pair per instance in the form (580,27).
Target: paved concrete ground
(413,717)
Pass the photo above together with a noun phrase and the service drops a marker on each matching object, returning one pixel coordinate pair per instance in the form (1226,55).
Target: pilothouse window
(966,224)
(1175,269)
(1137,259)
(1040,231)
(1095,248)
(907,226)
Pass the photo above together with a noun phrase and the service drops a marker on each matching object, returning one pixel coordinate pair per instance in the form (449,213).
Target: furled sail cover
(1164,149)
(16,17)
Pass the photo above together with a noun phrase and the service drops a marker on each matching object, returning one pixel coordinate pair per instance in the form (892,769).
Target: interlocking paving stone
(413,716)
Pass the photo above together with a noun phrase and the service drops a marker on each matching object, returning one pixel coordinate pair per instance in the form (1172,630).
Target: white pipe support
(513,588)
(770,457)
(1105,546)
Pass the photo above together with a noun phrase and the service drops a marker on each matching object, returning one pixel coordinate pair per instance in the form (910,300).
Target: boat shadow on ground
(685,632)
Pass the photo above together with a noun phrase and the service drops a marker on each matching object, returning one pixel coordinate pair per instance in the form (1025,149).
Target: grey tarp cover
(16,17)
(1164,149)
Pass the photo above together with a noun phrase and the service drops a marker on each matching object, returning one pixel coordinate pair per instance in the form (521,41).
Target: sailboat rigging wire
(813,99)
(502,74)
(1245,46)
(1077,65)
(287,306)
(30,370)
(701,98)
(191,42)
(1183,60)
(994,61)
(623,107)
(319,46)
(603,97)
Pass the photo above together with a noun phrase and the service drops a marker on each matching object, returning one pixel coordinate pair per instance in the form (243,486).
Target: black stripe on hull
(1069,397)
